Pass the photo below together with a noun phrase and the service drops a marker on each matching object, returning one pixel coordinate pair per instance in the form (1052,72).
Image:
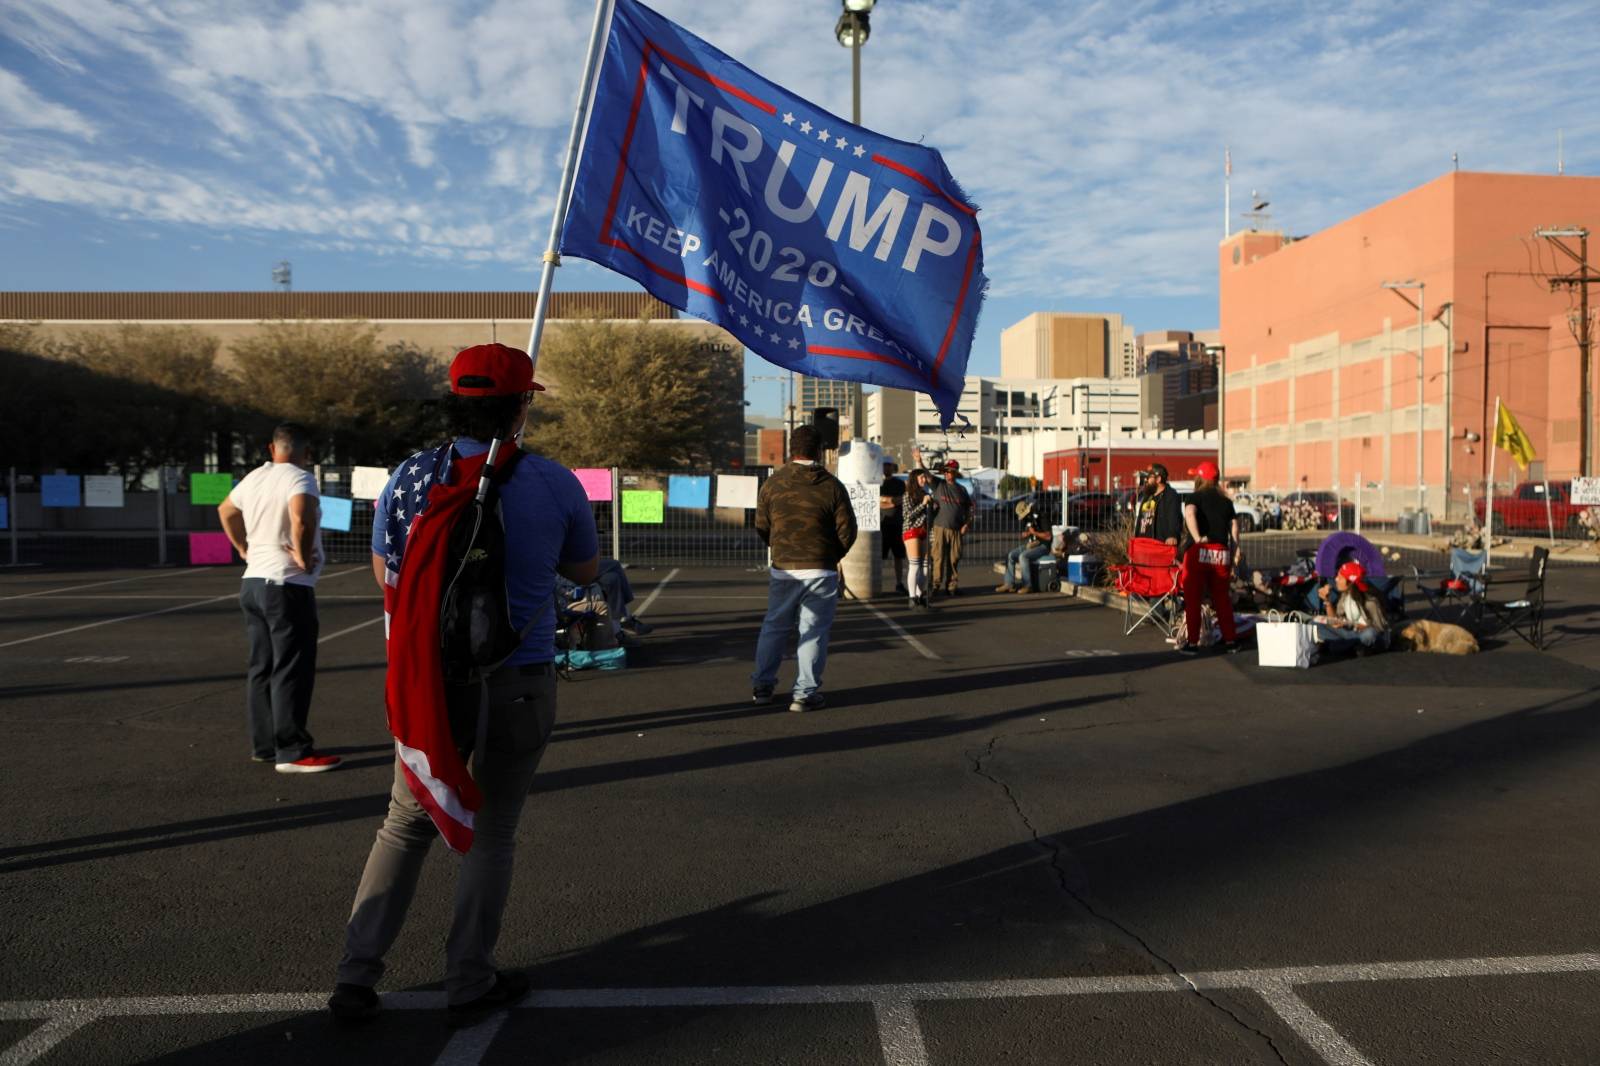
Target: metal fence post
(12,518)
(161,516)
(616,513)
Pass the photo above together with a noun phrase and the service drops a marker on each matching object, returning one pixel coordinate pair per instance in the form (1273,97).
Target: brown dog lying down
(1440,637)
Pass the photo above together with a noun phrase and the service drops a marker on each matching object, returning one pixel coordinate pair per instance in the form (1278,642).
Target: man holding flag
(503,724)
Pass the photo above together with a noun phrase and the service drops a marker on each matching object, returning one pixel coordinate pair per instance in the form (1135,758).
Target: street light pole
(852,31)
(1395,287)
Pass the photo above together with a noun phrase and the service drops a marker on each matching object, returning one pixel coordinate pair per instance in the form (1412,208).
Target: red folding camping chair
(1152,581)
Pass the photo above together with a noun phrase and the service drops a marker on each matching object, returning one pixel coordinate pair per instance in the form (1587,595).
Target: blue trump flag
(822,246)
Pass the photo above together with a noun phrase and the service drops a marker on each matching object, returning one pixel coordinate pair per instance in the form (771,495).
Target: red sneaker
(311,764)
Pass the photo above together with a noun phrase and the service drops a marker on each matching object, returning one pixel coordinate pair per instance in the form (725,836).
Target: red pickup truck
(1524,509)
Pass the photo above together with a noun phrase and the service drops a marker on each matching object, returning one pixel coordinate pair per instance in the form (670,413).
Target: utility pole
(1395,287)
(1581,280)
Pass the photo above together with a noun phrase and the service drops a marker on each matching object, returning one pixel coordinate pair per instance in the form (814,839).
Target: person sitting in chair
(1355,620)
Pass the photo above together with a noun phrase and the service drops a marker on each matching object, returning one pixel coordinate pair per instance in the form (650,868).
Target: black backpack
(475,631)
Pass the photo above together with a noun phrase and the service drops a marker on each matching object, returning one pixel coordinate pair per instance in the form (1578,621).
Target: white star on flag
(743,321)
(860,151)
(788,118)
(399,514)
(805,127)
(794,342)
(823,135)
(416,487)
(760,332)
(399,491)
(415,468)
(840,142)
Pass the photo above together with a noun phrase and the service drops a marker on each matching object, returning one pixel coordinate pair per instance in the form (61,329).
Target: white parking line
(350,629)
(648,600)
(94,585)
(468,1046)
(894,1005)
(922,649)
(146,614)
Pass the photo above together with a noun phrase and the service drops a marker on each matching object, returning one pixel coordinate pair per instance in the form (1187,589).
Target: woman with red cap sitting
(1355,621)
(1208,564)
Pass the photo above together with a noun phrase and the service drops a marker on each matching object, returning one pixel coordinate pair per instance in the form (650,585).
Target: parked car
(1251,516)
(1091,510)
(1525,509)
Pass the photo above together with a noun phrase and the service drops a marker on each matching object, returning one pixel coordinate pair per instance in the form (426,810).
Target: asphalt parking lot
(1015,835)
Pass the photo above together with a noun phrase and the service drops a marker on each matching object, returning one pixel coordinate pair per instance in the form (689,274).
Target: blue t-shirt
(548,524)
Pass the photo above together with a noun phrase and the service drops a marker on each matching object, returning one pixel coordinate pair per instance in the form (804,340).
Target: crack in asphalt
(1056,853)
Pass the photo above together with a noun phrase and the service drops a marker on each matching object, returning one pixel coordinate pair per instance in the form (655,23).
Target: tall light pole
(1396,287)
(852,30)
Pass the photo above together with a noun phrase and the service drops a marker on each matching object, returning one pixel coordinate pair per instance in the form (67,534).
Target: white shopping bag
(1288,642)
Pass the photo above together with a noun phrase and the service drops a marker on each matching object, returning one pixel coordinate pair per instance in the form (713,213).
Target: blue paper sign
(822,246)
(686,491)
(336,513)
(5,513)
(60,490)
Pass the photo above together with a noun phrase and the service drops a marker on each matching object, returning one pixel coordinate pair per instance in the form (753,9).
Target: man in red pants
(1208,564)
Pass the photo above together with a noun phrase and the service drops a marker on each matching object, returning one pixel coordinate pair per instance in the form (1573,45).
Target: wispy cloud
(1092,135)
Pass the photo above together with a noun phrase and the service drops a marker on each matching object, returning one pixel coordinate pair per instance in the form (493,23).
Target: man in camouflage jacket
(803,513)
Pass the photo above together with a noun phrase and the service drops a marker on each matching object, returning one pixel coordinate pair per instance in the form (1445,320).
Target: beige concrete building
(442,322)
(1061,344)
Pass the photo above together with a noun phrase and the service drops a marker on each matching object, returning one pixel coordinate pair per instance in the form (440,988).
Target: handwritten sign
(644,506)
(368,482)
(209,488)
(102,490)
(1586,491)
(864,501)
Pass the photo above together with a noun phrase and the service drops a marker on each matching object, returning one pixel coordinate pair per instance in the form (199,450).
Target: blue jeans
(810,603)
(1020,560)
(1347,640)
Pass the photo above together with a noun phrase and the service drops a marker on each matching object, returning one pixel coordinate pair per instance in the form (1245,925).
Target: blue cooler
(1082,569)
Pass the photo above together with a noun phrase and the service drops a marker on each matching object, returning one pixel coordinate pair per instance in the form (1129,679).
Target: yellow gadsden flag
(1508,435)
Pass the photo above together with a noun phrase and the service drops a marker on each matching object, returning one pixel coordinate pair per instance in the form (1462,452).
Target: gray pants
(522,712)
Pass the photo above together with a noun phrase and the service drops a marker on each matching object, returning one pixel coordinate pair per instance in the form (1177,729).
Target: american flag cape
(414,688)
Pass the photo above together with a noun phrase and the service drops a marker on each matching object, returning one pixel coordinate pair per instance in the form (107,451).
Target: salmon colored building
(1320,379)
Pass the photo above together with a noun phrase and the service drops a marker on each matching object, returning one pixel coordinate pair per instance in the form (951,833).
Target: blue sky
(400,144)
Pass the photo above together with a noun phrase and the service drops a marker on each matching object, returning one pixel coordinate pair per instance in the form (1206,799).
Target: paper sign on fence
(209,549)
(596,483)
(336,513)
(5,513)
(59,490)
(685,490)
(102,490)
(644,506)
(368,482)
(209,488)
(1586,491)
(864,500)
(737,490)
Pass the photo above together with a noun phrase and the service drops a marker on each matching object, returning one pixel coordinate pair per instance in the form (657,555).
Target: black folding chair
(1525,615)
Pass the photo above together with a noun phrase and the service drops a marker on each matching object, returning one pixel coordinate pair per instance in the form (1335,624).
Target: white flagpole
(580,122)
(1488,507)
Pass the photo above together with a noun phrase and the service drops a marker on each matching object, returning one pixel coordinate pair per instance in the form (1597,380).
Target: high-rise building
(811,393)
(1062,344)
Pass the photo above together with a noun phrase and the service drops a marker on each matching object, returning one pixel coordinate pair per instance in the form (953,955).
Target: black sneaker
(1233,647)
(1188,651)
(637,625)
(509,988)
(354,1003)
(761,694)
(812,702)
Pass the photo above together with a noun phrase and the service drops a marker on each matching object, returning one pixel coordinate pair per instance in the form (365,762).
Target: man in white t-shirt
(273,519)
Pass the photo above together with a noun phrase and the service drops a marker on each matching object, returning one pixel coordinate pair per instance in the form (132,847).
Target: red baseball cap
(492,370)
(952,465)
(1206,469)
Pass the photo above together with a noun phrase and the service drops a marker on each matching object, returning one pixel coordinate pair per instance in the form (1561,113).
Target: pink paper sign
(596,483)
(209,549)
